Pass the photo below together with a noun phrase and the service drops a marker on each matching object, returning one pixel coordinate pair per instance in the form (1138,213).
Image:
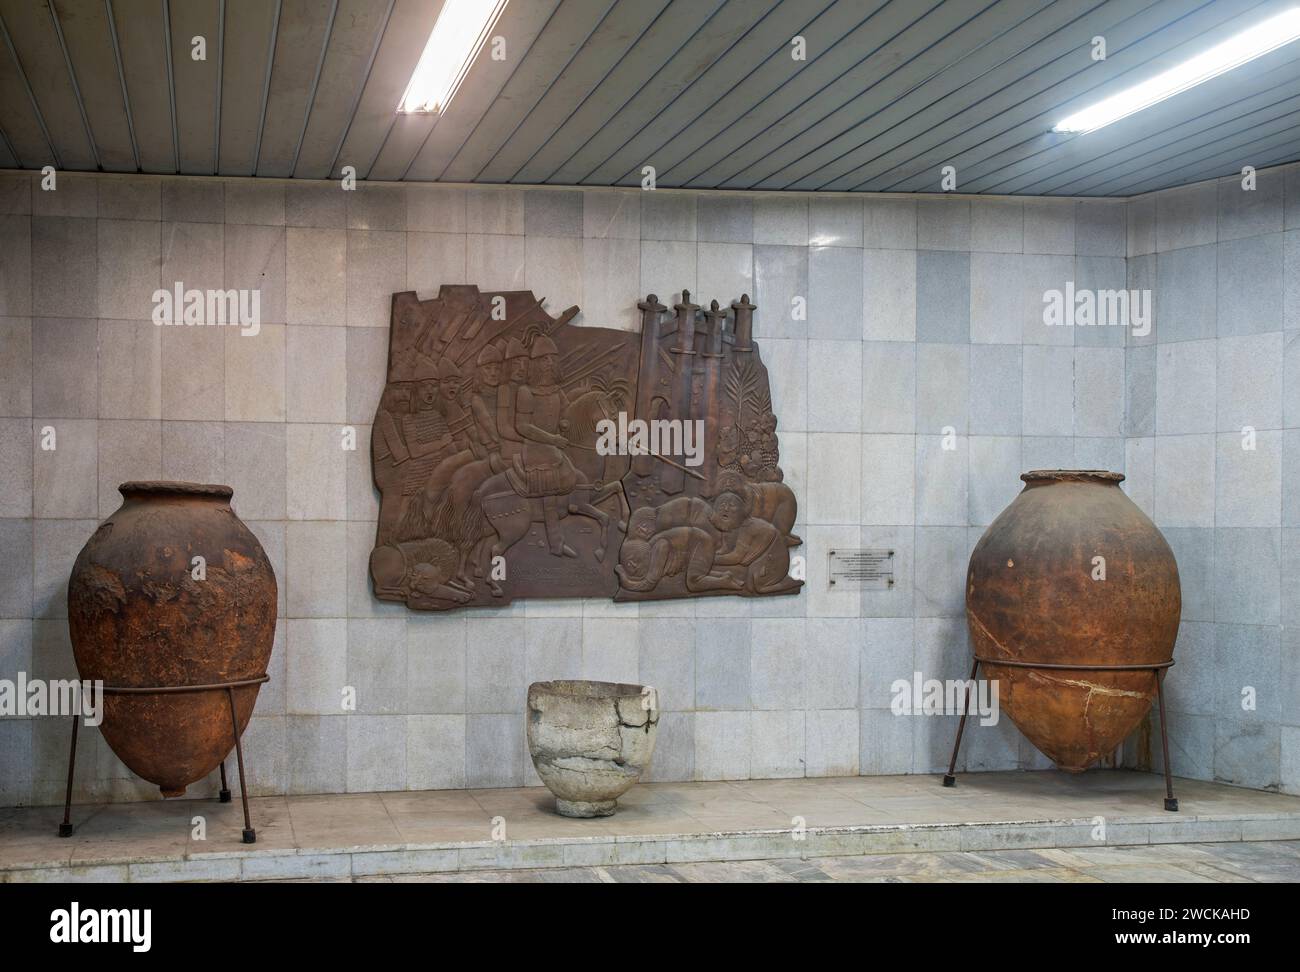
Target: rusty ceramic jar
(144,613)
(1037,592)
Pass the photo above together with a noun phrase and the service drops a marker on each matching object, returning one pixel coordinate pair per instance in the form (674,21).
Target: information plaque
(862,569)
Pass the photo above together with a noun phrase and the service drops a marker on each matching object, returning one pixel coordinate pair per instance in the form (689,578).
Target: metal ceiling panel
(1063,52)
(144,47)
(1211,163)
(681,22)
(612,121)
(300,46)
(919,145)
(88,39)
(1258,146)
(1157,155)
(519,26)
(588,92)
(750,73)
(403,141)
(885,43)
(196,81)
(376,112)
(41,60)
(727,29)
(814,137)
(248,37)
(617,34)
(916,52)
(1024,112)
(353,44)
(20,119)
(560,40)
(1234,97)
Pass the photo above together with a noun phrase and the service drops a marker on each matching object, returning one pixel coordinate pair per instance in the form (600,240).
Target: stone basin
(590,741)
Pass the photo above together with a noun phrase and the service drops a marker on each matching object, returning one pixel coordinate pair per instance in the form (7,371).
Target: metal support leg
(951,779)
(250,835)
(65,828)
(1170,802)
(224,795)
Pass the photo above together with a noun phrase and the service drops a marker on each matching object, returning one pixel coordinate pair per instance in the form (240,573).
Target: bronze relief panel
(517,455)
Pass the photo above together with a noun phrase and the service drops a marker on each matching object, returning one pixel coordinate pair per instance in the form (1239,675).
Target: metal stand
(250,835)
(1171,803)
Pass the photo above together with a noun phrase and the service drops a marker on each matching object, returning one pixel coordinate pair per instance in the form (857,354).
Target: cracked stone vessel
(142,613)
(590,741)
(1036,592)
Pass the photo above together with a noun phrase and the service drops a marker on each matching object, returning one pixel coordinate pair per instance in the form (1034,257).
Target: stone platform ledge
(1230,814)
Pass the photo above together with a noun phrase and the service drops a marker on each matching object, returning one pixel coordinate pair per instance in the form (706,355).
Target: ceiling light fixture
(459,33)
(1268,35)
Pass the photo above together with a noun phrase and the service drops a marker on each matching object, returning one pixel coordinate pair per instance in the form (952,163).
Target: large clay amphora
(1072,572)
(145,612)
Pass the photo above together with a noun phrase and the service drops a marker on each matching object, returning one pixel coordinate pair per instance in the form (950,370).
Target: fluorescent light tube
(1268,35)
(458,34)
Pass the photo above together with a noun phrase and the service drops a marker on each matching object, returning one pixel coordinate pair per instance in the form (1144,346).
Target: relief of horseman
(483,405)
(515,374)
(585,413)
(543,468)
(541,482)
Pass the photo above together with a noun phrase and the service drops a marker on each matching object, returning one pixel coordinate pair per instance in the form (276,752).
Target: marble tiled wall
(923,316)
(1223,355)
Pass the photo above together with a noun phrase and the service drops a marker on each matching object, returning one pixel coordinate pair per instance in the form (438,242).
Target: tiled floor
(356,835)
(1256,861)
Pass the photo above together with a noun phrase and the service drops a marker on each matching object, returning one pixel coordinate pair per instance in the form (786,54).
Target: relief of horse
(500,518)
